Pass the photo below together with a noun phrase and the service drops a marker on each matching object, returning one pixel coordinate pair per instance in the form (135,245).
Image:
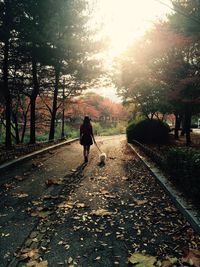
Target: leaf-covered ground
(108,215)
(117,212)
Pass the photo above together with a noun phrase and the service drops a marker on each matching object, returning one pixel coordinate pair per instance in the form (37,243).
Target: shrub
(183,165)
(148,131)
(97,129)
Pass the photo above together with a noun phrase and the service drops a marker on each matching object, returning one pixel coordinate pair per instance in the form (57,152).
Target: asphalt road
(58,211)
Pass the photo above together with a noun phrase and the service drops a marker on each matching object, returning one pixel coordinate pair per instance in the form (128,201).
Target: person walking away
(86,137)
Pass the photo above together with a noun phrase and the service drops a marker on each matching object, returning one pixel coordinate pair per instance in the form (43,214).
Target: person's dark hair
(86,120)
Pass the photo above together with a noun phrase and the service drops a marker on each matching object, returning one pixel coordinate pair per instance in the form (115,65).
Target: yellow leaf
(141,260)
(41,214)
(169,262)
(101,212)
(29,253)
(70,260)
(124,178)
(140,202)
(37,264)
(66,205)
(20,194)
(80,205)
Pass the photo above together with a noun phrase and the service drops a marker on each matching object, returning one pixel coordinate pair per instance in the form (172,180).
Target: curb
(187,210)
(33,154)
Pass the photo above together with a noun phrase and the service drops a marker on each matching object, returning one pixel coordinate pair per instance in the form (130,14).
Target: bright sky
(124,21)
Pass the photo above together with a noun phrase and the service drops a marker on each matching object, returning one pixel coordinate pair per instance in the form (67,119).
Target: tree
(7,15)
(154,78)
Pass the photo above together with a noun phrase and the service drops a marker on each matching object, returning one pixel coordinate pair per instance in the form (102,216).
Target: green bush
(183,165)
(97,129)
(148,131)
(110,131)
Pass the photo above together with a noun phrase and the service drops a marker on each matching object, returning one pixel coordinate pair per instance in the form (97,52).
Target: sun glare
(123,22)
(126,20)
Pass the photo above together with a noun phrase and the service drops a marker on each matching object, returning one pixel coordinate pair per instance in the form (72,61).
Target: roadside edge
(187,210)
(33,154)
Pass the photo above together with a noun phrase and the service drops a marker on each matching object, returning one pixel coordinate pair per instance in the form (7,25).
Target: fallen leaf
(140,202)
(37,164)
(37,264)
(5,235)
(141,260)
(19,178)
(8,186)
(101,212)
(80,205)
(29,253)
(20,194)
(50,182)
(41,214)
(124,178)
(66,205)
(101,177)
(192,257)
(70,260)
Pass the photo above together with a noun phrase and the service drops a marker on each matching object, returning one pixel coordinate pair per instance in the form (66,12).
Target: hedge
(148,131)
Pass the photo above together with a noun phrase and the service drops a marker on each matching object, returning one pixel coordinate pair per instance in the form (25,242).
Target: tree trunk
(24,129)
(188,117)
(16,127)
(54,108)
(24,125)
(177,125)
(6,92)
(63,112)
(183,131)
(33,98)
(32,120)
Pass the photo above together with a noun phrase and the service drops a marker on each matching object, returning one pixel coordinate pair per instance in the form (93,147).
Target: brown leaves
(20,194)
(19,178)
(37,264)
(29,253)
(101,212)
(107,194)
(50,182)
(66,205)
(41,213)
(141,260)
(32,255)
(192,257)
(8,186)
(70,205)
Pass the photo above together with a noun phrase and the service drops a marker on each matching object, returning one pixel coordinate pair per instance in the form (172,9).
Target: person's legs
(86,151)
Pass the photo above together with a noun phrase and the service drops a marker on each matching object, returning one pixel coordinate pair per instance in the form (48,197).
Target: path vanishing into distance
(57,211)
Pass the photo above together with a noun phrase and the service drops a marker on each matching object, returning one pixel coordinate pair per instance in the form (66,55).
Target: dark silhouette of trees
(41,42)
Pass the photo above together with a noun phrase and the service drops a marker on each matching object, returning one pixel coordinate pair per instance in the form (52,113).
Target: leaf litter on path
(136,204)
(141,260)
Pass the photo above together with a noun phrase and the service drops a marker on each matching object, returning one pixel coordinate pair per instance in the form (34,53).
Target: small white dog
(102,158)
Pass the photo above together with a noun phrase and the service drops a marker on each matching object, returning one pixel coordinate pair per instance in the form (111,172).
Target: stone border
(13,162)
(187,210)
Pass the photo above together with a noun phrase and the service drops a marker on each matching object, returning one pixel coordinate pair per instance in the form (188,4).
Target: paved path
(65,213)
